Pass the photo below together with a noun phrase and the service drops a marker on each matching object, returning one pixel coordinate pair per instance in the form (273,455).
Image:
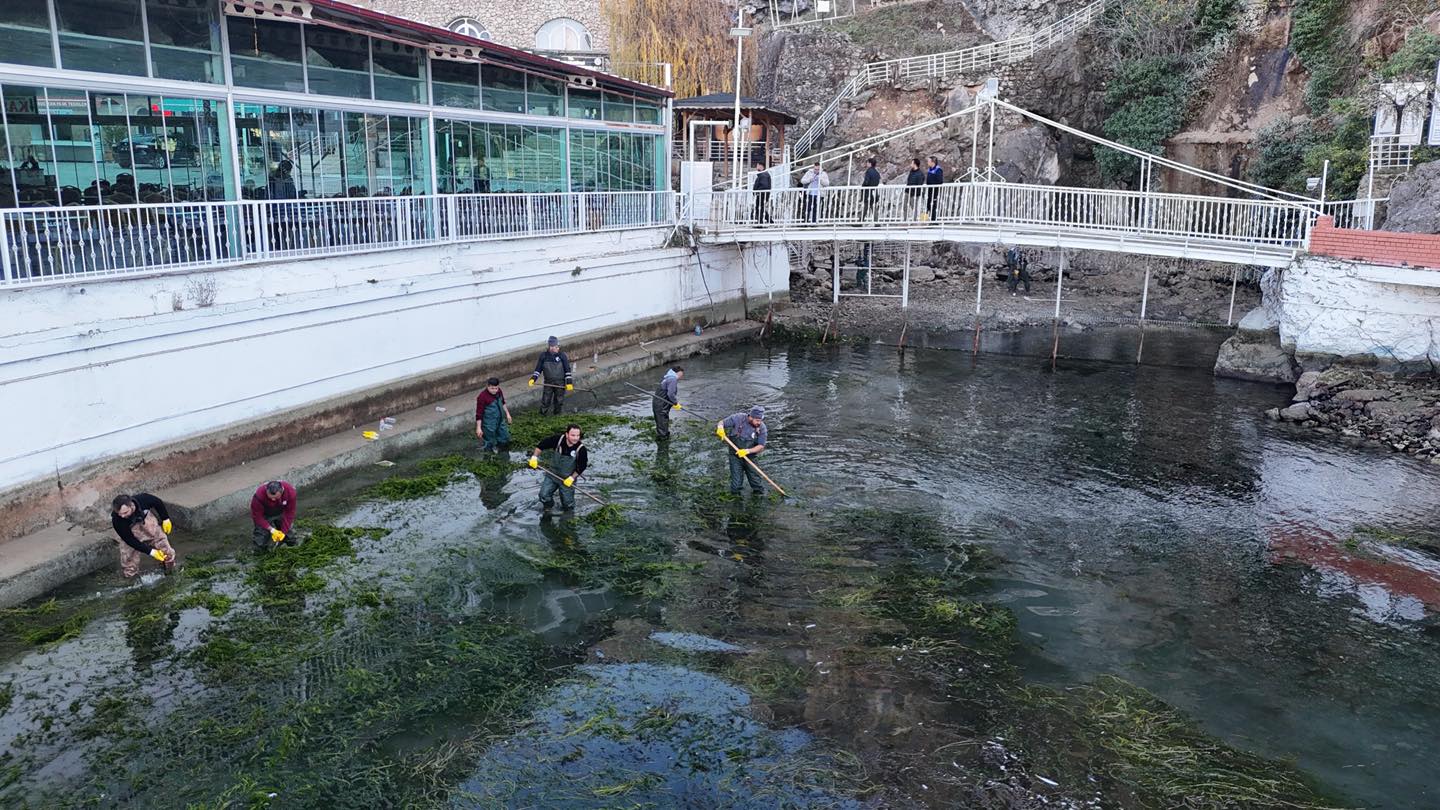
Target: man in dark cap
(492,416)
(553,370)
(748,433)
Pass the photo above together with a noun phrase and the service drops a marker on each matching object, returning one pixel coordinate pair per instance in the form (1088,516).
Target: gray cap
(553,341)
(757,412)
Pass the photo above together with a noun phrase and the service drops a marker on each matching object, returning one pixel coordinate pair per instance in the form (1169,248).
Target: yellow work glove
(569,387)
(569,482)
(534,463)
(676,406)
(742,452)
(157,554)
(531,383)
(165,526)
(276,535)
(720,431)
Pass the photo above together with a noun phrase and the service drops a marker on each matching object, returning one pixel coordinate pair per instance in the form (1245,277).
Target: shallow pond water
(1142,522)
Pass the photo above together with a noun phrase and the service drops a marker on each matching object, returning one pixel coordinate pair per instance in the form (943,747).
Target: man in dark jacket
(871,191)
(665,399)
(272,512)
(553,371)
(567,461)
(142,523)
(1019,273)
(761,187)
(913,183)
(934,177)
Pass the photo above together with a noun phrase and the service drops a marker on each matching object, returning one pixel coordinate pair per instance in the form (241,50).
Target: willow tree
(693,36)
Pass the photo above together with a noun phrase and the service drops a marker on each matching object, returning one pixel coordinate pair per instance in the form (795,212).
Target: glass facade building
(141,101)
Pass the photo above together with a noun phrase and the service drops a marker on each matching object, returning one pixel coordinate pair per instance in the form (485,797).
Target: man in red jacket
(272,510)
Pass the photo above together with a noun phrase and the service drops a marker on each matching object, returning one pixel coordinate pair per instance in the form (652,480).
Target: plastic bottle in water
(387,423)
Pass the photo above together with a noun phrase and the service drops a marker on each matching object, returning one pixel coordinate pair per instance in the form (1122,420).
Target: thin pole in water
(979,279)
(1234,279)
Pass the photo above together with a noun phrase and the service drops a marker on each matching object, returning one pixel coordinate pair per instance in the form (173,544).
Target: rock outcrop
(1415,201)
(1256,356)
(1400,412)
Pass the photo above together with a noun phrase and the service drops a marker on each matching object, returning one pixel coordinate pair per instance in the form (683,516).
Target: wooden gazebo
(762,128)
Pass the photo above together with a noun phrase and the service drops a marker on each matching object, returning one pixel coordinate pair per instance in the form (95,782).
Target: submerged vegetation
(45,623)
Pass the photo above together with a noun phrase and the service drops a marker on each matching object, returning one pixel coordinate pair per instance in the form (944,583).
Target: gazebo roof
(726,102)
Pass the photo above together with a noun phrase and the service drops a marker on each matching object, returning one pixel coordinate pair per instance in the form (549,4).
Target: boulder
(1305,386)
(959,98)
(1361,395)
(1255,356)
(922,274)
(1027,155)
(1415,201)
(1295,413)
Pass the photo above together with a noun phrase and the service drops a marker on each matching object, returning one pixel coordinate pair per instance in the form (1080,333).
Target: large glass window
(25,30)
(584,104)
(101,35)
(70,147)
(265,54)
(544,96)
(184,40)
(619,108)
(501,89)
(398,72)
(338,62)
(647,113)
(613,161)
(456,84)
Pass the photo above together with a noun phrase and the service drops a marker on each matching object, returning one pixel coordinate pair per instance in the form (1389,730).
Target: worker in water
(143,523)
(272,511)
(667,399)
(553,371)
(492,416)
(748,433)
(565,463)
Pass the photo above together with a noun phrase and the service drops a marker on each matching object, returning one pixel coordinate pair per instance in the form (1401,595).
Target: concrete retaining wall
(144,381)
(1331,307)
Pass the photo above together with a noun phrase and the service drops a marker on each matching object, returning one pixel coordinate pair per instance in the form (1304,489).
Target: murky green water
(1139,522)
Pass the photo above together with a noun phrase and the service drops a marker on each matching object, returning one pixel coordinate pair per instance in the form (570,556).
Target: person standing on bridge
(870,190)
(913,181)
(492,416)
(815,181)
(934,178)
(567,462)
(142,523)
(749,434)
(666,399)
(761,188)
(553,371)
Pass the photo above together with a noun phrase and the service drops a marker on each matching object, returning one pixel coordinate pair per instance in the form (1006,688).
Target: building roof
(342,15)
(726,101)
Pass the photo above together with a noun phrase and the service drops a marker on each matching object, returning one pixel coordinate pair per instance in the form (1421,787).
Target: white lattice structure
(963,62)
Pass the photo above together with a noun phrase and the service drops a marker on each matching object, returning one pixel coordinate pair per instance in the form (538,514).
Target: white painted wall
(98,369)
(1331,306)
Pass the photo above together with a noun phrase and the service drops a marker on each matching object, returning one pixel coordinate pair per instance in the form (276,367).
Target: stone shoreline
(1399,411)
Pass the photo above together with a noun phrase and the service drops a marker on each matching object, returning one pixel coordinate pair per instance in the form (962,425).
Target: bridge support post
(979,280)
(835,271)
(1059,284)
(1145,295)
(1234,280)
(905,281)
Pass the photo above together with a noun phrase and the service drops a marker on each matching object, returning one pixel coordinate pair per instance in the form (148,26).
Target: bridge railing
(39,245)
(1050,209)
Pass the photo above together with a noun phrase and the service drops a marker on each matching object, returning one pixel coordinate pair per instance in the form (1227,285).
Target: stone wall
(508,21)
(1332,308)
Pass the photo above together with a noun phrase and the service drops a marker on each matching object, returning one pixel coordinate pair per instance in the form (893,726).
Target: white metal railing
(1360,214)
(1061,211)
(1388,153)
(39,245)
(950,63)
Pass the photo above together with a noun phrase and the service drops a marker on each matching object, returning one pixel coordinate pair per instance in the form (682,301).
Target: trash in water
(440,409)
(385,463)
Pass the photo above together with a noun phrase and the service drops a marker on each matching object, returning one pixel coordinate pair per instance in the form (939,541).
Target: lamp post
(739,32)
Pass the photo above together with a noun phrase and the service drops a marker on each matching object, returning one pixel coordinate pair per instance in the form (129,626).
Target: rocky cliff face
(1415,201)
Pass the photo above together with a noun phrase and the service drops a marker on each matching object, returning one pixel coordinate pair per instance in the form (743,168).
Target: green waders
(563,466)
(740,470)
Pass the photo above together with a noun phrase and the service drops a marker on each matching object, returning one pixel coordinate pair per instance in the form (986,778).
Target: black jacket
(555,368)
(872,177)
(916,177)
(145,503)
(762,182)
(556,442)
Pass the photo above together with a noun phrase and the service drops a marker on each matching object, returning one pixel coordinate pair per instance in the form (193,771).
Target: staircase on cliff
(944,65)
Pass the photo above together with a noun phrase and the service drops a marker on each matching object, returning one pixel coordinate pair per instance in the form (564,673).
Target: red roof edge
(437,34)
